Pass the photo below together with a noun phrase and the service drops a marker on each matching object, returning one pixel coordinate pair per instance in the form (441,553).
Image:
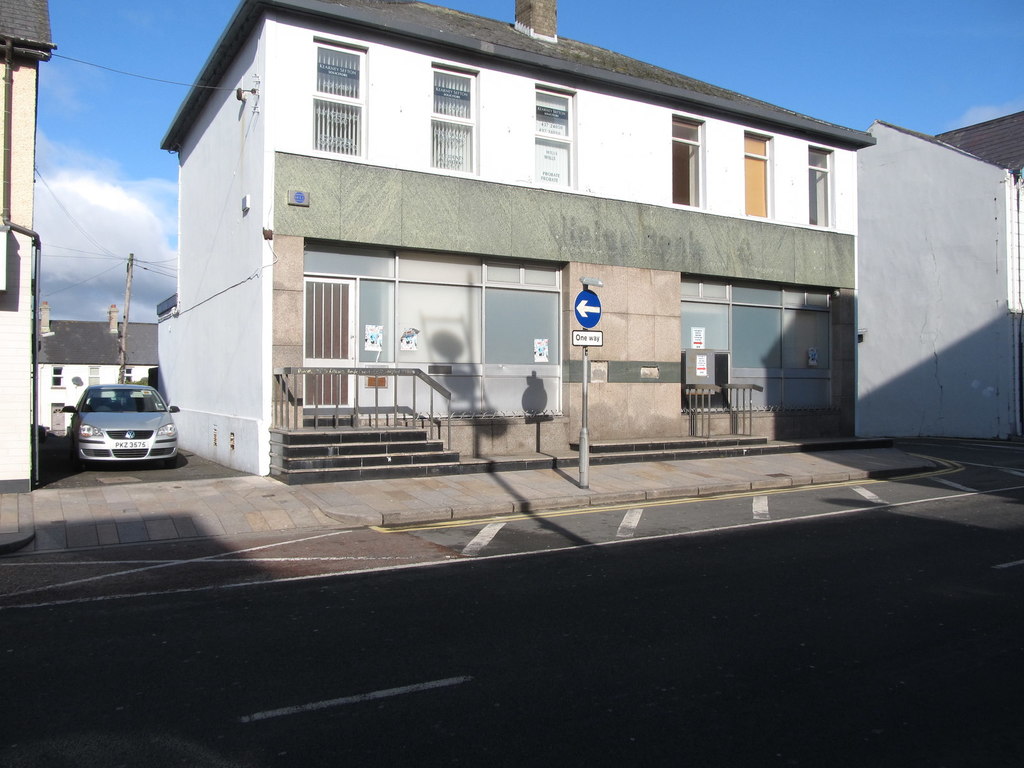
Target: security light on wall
(594,282)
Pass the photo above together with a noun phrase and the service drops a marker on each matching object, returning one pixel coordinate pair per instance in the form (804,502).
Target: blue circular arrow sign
(588,308)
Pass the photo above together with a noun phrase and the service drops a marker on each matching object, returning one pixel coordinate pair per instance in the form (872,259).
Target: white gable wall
(225,279)
(938,353)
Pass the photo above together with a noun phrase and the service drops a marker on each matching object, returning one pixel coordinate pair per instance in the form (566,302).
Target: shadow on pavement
(56,471)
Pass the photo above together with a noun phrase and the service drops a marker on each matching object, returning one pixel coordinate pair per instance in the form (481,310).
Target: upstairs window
(818,162)
(756,171)
(554,138)
(57,379)
(338,106)
(685,161)
(453,126)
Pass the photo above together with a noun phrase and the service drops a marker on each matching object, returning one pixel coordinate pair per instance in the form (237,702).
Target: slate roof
(486,40)
(84,342)
(27,22)
(999,141)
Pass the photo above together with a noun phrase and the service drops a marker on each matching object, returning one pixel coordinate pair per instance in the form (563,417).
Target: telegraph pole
(122,355)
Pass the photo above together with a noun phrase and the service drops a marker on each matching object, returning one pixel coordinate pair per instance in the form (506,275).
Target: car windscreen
(124,401)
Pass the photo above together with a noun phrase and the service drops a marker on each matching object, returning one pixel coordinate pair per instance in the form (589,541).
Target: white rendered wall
(214,355)
(937,356)
(16,310)
(622,147)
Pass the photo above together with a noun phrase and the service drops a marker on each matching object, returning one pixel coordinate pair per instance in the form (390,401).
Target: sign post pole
(588,312)
(584,433)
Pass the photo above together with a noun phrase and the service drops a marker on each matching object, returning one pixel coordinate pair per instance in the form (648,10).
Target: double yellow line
(946,467)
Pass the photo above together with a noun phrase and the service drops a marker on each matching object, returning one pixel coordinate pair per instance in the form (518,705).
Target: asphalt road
(856,625)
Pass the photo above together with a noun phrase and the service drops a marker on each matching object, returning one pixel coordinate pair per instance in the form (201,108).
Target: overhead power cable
(142,77)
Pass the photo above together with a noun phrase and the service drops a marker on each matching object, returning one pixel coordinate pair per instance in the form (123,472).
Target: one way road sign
(588,309)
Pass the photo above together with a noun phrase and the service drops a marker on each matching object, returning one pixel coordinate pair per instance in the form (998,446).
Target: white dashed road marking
(629,523)
(865,493)
(1014,564)
(955,486)
(482,539)
(372,696)
(761,508)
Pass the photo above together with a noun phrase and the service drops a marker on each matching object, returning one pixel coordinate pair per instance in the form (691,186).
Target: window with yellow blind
(756,170)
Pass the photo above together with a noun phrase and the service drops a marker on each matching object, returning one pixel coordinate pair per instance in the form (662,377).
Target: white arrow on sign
(585,309)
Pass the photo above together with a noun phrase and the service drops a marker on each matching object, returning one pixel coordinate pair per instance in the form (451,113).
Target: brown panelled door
(329,340)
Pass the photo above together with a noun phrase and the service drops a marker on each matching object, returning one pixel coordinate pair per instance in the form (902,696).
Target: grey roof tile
(999,141)
(27,22)
(83,342)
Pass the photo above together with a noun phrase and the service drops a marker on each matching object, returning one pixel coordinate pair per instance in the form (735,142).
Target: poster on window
(553,121)
(552,163)
(373,338)
(540,350)
(701,365)
(409,342)
(696,338)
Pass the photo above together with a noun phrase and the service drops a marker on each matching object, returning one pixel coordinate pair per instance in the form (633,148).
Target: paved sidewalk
(132,512)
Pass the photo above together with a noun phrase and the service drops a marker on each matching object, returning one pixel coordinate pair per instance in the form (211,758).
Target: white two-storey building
(381,185)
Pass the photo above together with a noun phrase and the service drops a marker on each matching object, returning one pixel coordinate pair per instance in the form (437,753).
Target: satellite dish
(76,380)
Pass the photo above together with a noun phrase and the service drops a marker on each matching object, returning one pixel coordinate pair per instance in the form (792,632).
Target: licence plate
(129,444)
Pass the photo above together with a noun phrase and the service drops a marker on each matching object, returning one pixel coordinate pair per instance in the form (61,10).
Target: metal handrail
(740,407)
(698,398)
(745,421)
(291,396)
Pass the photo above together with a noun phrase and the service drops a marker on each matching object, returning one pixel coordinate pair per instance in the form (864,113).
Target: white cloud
(985,112)
(90,218)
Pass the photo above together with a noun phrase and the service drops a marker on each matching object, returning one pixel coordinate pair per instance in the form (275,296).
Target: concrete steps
(320,456)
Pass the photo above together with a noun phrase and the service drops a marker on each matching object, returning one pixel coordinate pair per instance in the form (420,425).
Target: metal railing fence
(319,395)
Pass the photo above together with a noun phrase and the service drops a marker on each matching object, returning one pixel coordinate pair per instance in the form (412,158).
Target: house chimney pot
(538,18)
(112,318)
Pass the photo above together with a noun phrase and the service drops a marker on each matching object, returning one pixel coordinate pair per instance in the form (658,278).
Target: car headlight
(88,431)
(167,430)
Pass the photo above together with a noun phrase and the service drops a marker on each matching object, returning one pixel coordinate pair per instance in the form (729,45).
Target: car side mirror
(69,409)
(173,409)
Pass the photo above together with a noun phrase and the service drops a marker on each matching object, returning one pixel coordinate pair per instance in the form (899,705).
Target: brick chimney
(538,18)
(44,319)
(112,318)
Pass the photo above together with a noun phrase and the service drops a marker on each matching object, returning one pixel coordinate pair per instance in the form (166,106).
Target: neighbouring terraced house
(24,43)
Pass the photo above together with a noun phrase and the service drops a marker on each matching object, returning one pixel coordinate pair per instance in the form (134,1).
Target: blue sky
(105,188)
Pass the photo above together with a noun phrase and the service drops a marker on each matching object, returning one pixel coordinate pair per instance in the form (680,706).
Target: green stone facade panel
(365,204)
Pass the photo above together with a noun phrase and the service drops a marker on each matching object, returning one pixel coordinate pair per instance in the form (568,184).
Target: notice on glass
(540,350)
(410,340)
(701,365)
(373,338)
(697,338)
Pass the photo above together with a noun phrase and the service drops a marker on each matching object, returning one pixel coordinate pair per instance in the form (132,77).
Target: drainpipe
(37,243)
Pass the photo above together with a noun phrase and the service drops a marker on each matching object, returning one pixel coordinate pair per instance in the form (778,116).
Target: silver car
(122,422)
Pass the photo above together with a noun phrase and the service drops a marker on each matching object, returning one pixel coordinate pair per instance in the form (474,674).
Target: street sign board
(588,338)
(588,308)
